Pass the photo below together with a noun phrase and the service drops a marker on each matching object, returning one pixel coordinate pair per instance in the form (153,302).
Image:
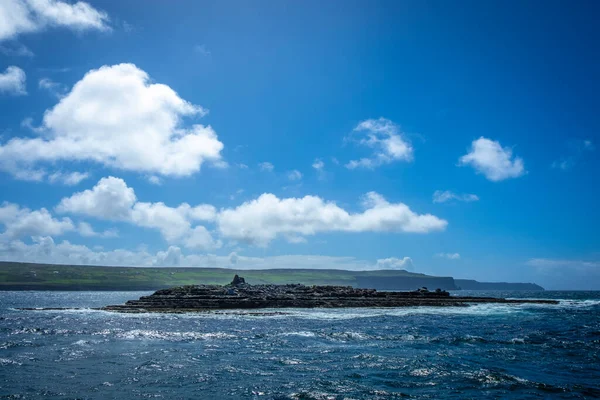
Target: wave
(172,336)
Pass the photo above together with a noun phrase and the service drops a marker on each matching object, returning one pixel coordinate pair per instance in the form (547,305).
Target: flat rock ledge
(243,296)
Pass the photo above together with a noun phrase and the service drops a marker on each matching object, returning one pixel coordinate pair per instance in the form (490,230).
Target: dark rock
(237,281)
(240,295)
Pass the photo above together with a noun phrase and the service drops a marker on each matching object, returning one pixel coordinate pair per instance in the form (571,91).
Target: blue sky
(449,138)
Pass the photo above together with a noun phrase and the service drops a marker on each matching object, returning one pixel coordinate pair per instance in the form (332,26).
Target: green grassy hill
(27,276)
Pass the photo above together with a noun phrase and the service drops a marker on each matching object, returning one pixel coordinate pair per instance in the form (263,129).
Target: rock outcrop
(240,295)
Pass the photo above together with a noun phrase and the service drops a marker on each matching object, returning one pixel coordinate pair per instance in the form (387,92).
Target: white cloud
(19,222)
(449,256)
(112,199)
(204,212)
(171,222)
(12,81)
(116,117)
(446,195)
(200,238)
(262,220)
(294,175)
(386,140)
(45,250)
(26,16)
(56,89)
(318,164)
(257,222)
(86,230)
(68,178)
(170,258)
(266,166)
(405,263)
(489,158)
(155,180)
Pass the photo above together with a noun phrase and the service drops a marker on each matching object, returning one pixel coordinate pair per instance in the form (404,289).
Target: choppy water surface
(502,351)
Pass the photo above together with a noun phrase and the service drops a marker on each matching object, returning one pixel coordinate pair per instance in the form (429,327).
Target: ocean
(482,351)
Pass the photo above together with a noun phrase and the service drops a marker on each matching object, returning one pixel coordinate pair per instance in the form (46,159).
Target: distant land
(30,276)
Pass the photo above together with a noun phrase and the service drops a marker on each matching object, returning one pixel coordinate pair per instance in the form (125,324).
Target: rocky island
(241,295)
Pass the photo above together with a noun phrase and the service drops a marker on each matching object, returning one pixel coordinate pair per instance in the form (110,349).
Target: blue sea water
(482,351)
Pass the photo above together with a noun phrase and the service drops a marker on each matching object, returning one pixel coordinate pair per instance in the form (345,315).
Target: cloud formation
(489,158)
(262,220)
(26,16)
(405,263)
(19,222)
(256,222)
(117,117)
(449,256)
(266,166)
(12,81)
(56,89)
(45,249)
(440,196)
(294,175)
(111,199)
(386,141)
(68,178)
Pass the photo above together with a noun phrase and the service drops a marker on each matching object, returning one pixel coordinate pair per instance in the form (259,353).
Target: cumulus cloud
(446,195)
(294,175)
(266,166)
(112,199)
(26,16)
(256,222)
(492,160)
(386,141)
(264,219)
(405,263)
(12,81)
(19,222)
(449,256)
(171,257)
(117,117)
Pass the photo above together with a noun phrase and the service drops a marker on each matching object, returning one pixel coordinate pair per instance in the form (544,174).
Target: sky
(448,138)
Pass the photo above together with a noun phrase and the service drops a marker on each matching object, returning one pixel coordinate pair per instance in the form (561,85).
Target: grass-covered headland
(28,276)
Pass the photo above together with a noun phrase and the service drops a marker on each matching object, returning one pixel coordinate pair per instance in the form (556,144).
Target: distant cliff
(405,282)
(468,284)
